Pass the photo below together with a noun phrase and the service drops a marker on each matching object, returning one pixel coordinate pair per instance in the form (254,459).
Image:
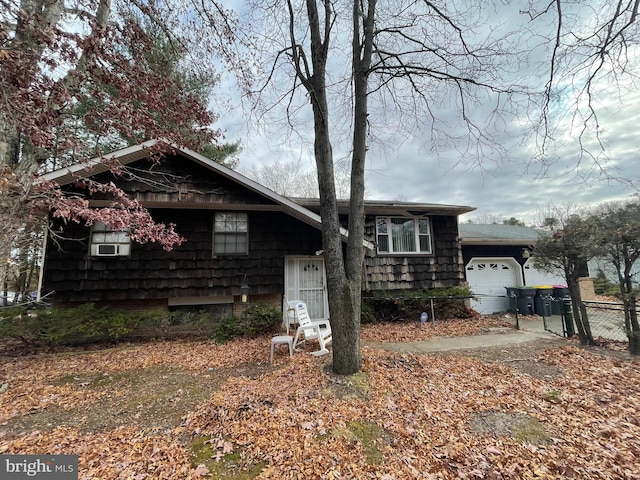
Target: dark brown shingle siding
(189,270)
(442,269)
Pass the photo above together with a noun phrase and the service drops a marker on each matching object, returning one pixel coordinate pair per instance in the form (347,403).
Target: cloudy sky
(417,169)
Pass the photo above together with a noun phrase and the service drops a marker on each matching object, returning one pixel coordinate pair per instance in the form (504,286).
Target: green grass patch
(553,396)
(372,437)
(206,451)
(346,387)
(369,434)
(529,430)
(522,428)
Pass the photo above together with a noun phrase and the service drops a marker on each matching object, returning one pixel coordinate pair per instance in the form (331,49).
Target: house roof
(134,153)
(299,208)
(496,234)
(384,207)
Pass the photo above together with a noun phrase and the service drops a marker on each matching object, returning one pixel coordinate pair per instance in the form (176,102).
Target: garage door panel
(533,276)
(487,279)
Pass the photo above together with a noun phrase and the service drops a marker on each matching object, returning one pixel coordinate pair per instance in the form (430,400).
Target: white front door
(305,280)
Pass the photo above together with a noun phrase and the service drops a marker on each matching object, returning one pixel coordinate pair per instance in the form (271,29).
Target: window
(403,235)
(230,233)
(106,242)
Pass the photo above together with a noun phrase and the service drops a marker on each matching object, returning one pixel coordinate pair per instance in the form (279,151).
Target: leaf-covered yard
(203,410)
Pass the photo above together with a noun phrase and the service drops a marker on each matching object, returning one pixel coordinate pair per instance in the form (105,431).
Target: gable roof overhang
(67,175)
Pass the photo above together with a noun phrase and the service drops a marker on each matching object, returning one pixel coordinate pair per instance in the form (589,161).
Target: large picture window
(403,235)
(106,242)
(230,233)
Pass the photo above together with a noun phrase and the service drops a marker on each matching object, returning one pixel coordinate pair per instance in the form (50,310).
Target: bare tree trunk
(579,312)
(584,319)
(347,355)
(346,352)
(343,297)
(631,314)
(19,159)
(633,333)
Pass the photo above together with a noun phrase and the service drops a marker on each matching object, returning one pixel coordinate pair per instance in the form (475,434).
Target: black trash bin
(542,301)
(526,305)
(512,294)
(559,293)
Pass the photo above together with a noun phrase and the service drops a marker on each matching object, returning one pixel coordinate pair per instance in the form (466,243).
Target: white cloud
(418,170)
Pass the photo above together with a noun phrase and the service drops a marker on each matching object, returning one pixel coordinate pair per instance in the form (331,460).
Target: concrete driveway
(495,337)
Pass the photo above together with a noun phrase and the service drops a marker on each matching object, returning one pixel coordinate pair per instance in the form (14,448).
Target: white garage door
(488,278)
(532,276)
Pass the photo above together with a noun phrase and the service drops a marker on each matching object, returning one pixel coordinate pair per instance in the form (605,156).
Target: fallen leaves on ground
(416,332)
(298,419)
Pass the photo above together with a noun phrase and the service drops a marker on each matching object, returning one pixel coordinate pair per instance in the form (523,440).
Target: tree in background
(286,178)
(618,239)
(514,221)
(291,179)
(496,219)
(568,249)
(79,79)
(226,154)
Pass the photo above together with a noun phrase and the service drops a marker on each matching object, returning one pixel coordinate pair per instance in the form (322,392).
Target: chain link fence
(556,316)
(606,320)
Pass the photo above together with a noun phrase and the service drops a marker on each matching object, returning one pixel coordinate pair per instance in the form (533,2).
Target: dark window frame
(230,233)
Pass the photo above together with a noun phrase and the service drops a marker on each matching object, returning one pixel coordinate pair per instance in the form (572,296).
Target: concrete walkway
(491,339)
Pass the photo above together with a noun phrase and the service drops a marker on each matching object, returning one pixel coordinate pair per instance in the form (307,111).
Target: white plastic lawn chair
(308,330)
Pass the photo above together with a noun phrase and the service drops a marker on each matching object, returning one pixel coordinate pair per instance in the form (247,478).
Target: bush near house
(82,325)
(91,324)
(605,287)
(258,319)
(408,305)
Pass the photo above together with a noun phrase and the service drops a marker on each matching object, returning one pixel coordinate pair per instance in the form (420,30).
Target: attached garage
(498,256)
(488,277)
(533,276)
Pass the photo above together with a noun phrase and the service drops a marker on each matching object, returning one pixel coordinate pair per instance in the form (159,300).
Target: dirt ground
(523,357)
(155,398)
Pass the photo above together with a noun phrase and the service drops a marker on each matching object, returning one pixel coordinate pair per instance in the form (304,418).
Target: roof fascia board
(67,173)
(496,241)
(380,207)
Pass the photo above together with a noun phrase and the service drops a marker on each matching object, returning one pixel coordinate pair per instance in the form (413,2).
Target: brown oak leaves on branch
(71,94)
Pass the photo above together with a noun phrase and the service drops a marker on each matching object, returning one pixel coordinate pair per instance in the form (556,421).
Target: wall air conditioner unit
(106,250)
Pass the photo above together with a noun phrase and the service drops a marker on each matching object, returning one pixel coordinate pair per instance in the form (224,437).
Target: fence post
(433,315)
(514,304)
(567,318)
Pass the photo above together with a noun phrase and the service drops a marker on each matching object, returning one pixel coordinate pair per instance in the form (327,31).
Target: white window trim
(119,247)
(416,233)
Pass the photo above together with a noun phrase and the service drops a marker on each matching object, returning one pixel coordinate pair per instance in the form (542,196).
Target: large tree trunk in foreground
(347,356)
(344,296)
